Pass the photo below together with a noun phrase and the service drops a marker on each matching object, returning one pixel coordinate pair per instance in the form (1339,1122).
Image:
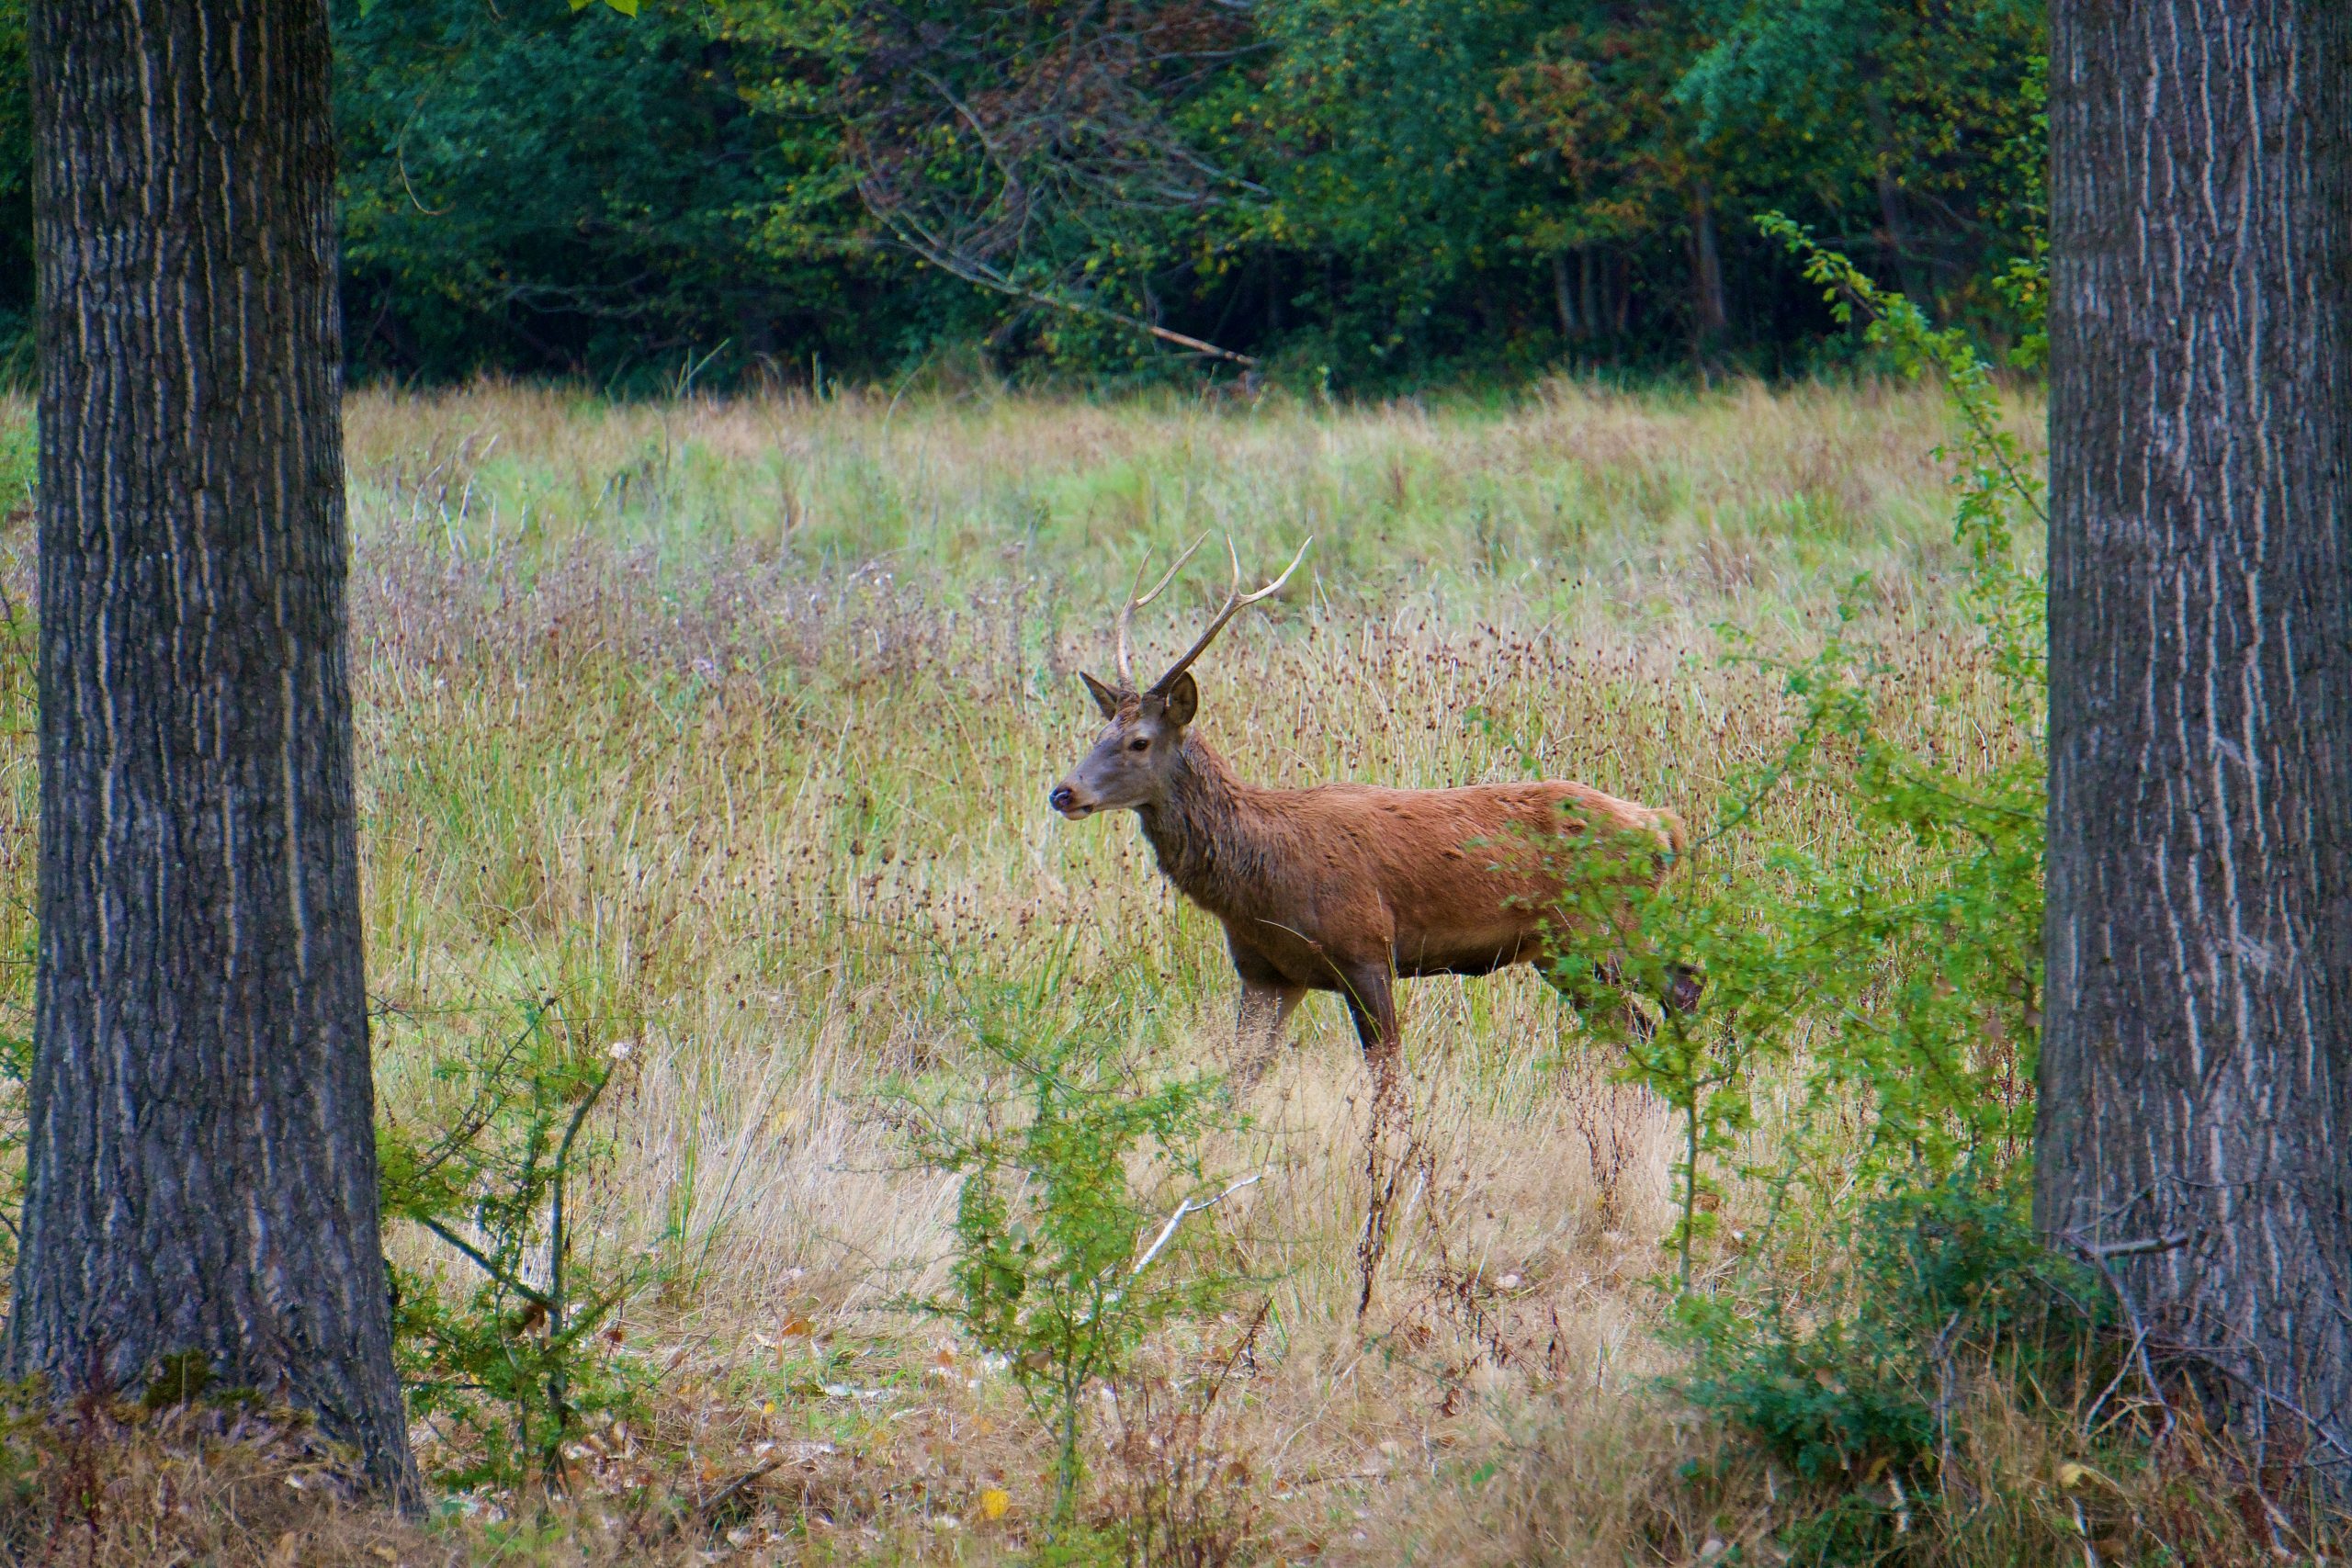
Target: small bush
(1064,1260)
(1943,1274)
(514,1365)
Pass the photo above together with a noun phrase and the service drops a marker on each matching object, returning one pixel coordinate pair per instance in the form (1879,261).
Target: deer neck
(1207,830)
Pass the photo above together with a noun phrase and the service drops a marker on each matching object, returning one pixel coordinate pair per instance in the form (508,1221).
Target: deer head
(1144,732)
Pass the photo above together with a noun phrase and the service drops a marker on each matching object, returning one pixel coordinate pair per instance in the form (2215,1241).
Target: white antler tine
(1136,602)
(1169,575)
(1276,586)
(1235,602)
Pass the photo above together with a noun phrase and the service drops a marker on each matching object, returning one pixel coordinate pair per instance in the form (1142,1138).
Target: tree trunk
(202,1162)
(1917,287)
(1562,296)
(2198,1054)
(1709,315)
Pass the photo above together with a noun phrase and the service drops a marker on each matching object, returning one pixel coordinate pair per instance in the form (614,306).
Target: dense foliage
(1366,197)
(1917,926)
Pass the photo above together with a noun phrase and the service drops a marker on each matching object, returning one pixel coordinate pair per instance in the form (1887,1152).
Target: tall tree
(202,1167)
(2198,1054)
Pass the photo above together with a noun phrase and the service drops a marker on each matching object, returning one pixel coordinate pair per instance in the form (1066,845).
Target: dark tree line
(1378,193)
(1385,195)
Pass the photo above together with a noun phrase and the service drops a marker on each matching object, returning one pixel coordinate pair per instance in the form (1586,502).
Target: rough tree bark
(2198,1054)
(202,1163)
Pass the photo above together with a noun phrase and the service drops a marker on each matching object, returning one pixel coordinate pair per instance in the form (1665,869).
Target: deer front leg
(1266,999)
(1265,1007)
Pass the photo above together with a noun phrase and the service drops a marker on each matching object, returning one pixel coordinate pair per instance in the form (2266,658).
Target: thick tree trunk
(202,1165)
(1563,297)
(2197,1055)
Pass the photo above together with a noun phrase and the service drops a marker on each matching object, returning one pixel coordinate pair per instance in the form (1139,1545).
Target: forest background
(1365,199)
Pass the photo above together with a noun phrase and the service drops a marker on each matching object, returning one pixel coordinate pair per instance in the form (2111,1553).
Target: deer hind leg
(1585,984)
(1592,986)
(1683,988)
(1683,984)
(1265,1007)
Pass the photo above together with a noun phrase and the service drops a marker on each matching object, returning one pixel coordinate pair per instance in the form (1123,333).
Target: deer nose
(1061,799)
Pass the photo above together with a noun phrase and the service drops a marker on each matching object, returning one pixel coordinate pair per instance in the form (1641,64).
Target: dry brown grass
(729,723)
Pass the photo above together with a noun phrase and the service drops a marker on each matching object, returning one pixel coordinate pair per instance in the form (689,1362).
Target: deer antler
(1235,602)
(1127,613)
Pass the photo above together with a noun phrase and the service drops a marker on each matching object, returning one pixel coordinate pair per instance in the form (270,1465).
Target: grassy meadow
(723,729)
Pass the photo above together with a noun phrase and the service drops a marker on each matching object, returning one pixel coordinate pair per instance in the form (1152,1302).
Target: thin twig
(482,1262)
(1168,1231)
(2134,1249)
(986,276)
(734,1488)
(2102,1254)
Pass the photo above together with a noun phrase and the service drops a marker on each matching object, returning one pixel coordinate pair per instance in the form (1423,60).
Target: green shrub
(1884,979)
(514,1362)
(1859,1392)
(1858,1397)
(1882,983)
(1071,1247)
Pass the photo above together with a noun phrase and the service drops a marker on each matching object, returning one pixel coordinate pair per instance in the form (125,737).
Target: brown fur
(1343,887)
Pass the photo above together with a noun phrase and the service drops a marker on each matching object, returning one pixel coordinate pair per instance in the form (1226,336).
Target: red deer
(1344,887)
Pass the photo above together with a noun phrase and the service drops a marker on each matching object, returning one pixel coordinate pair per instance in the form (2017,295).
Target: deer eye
(1139,744)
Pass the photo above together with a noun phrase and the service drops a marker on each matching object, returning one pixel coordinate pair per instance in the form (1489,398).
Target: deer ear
(1104,697)
(1184,700)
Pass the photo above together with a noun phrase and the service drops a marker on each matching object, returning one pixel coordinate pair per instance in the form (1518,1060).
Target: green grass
(728,726)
